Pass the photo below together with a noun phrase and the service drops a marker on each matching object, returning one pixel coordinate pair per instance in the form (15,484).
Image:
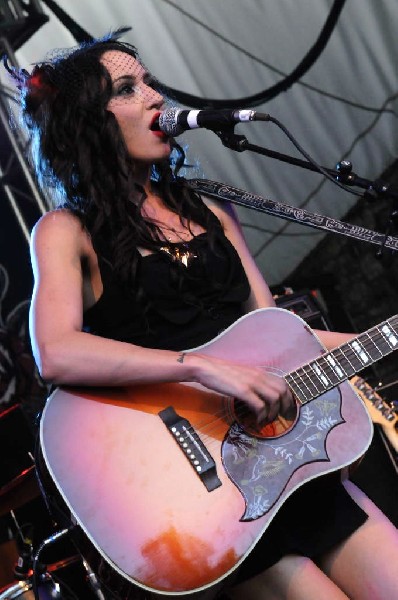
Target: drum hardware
(15,590)
(24,542)
(23,590)
(18,484)
(41,582)
(93,581)
(27,589)
(47,574)
(19,491)
(38,573)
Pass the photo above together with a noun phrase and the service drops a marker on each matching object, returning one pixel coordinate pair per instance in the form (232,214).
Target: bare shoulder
(222,209)
(57,228)
(56,221)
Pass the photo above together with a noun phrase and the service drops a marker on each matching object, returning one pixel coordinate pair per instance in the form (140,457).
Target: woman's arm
(66,355)
(332,339)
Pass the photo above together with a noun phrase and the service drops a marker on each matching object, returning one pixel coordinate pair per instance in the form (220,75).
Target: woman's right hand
(266,395)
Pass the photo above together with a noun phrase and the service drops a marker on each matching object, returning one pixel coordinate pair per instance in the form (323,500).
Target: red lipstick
(154,127)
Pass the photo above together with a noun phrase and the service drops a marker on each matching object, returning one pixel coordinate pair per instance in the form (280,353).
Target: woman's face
(135,105)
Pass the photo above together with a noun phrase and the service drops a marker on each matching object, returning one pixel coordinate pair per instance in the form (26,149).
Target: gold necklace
(185,235)
(179,251)
(182,255)
(181,235)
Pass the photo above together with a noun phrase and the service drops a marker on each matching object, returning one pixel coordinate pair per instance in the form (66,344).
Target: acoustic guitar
(171,483)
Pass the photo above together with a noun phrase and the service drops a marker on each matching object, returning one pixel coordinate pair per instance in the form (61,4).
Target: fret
(389,335)
(304,378)
(393,322)
(373,349)
(348,368)
(360,352)
(382,341)
(318,378)
(319,371)
(328,363)
(303,384)
(353,358)
(334,367)
(313,381)
(296,389)
(337,367)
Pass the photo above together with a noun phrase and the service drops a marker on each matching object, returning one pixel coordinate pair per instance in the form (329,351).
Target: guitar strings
(349,355)
(209,430)
(308,376)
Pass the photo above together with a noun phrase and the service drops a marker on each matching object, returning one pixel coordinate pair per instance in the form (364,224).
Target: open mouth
(155,123)
(154,127)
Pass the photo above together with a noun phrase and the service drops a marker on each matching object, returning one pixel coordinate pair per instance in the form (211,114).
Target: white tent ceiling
(345,106)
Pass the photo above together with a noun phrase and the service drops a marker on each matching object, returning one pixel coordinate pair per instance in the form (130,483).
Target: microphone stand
(343,174)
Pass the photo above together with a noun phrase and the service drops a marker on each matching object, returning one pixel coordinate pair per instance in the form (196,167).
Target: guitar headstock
(380,412)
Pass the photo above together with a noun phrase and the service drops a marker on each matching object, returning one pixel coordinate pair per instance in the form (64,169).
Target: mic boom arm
(291,213)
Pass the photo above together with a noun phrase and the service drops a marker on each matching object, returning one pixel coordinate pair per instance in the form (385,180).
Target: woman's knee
(294,577)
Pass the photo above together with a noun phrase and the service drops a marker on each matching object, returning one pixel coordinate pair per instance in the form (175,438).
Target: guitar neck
(338,365)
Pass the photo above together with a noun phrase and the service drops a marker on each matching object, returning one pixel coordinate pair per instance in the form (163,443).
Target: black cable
(80,34)
(320,185)
(266,95)
(355,141)
(311,160)
(262,62)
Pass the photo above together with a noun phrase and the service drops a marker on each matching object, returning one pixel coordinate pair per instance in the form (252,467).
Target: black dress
(184,307)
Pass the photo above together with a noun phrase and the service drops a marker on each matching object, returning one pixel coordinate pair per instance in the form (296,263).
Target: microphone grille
(168,122)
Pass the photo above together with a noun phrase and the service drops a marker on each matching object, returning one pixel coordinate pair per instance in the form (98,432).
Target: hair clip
(20,76)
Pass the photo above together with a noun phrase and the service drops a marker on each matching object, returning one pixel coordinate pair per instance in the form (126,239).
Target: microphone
(174,121)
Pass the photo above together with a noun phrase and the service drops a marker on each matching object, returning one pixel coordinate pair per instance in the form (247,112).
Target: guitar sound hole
(283,423)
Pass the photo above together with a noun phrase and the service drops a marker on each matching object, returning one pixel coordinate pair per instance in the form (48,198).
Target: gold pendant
(184,257)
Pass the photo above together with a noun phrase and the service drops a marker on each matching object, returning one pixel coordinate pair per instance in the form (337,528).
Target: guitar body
(135,494)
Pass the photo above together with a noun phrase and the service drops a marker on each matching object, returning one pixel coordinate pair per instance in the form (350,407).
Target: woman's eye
(127,89)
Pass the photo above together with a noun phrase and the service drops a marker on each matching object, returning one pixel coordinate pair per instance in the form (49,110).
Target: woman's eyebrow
(121,77)
(140,75)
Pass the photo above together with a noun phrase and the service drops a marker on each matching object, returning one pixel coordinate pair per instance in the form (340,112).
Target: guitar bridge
(192,447)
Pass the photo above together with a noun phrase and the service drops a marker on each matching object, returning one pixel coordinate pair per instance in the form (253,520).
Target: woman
(134,267)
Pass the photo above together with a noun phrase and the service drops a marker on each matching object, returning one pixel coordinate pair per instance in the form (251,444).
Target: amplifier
(306,305)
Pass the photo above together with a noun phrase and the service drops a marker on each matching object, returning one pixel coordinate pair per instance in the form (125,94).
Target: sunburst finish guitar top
(134,464)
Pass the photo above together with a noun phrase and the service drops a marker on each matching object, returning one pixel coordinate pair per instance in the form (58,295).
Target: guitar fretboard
(338,365)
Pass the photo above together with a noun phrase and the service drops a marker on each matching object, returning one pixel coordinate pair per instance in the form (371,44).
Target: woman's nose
(151,96)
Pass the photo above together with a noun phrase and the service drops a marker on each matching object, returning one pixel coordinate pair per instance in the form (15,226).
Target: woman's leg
(292,578)
(365,565)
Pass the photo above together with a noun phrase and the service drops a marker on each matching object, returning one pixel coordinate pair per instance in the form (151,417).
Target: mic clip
(230,139)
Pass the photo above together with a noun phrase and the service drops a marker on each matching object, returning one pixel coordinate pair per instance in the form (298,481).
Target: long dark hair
(78,152)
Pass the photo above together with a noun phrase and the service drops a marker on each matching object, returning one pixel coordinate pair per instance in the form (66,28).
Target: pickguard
(261,468)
